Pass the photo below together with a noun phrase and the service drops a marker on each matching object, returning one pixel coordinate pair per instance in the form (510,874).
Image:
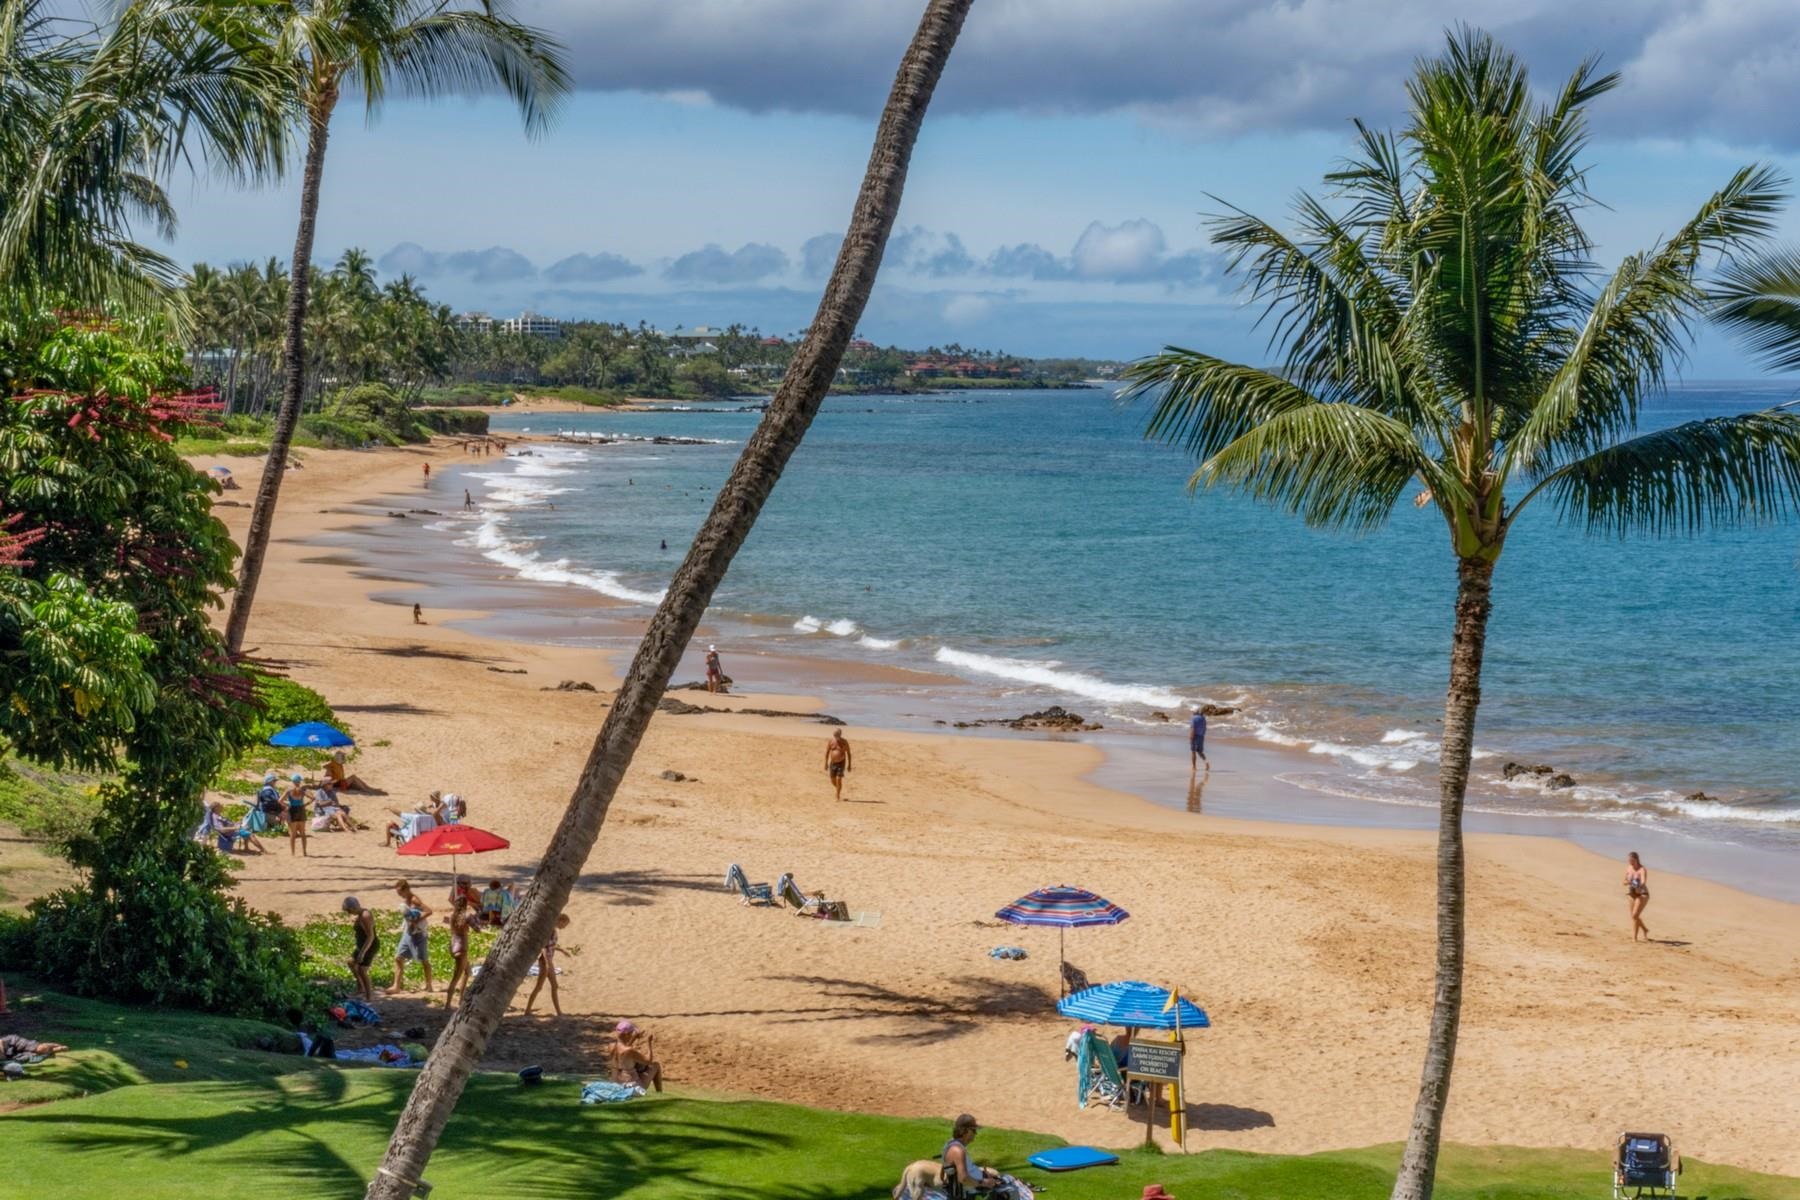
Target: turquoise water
(1033,545)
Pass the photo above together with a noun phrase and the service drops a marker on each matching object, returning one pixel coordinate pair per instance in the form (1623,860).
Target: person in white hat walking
(715,674)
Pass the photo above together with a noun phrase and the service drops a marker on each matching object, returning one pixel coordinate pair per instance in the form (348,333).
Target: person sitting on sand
(415,943)
(547,967)
(341,778)
(956,1154)
(634,1062)
(452,809)
(331,811)
(268,799)
(296,801)
(368,945)
(432,807)
(462,887)
(1637,894)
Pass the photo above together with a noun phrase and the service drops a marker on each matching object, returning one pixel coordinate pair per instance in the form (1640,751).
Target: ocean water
(1034,546)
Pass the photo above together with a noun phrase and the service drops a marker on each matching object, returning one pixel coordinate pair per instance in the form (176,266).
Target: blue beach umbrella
(1064,907)
(1133,1005)
(315,735)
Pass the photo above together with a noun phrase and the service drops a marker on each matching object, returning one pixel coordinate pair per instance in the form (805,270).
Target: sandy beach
(1309,946)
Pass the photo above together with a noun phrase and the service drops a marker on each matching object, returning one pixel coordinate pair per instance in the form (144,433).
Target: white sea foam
(842,627)
(875,643)
(1395,736)
(527,563)
(1050,675)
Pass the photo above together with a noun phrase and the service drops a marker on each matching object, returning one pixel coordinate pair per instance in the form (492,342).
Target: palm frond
(1334,465)
(1638,327)
(1720,471)
(1759,300)
(1204,404)
(462,51)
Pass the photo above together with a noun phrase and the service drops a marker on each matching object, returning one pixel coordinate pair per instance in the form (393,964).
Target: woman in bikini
(632,1064)
(1637,894)
(460,924)
(296,802)
(547,968)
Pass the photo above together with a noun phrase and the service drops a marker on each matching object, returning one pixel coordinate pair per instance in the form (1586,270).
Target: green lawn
(241,1122)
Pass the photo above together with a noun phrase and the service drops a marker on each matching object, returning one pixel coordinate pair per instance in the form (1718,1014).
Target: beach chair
(1645,1165)
(750,893)
(1097,1074)
(789,893)
(412,824)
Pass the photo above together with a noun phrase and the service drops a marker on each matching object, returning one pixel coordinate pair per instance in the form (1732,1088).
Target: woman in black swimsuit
(368,945)
(1637,894)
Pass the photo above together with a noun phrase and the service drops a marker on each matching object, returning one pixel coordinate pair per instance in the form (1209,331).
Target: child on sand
(414,941)
(547,968)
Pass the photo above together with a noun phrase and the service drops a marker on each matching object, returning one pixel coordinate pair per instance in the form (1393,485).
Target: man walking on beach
(837,761)
(1197,739)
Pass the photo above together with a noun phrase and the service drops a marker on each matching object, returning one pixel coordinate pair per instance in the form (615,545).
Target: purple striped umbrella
(1064,907)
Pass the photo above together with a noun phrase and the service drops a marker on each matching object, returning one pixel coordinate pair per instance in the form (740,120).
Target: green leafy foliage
(45,803)
(282,702)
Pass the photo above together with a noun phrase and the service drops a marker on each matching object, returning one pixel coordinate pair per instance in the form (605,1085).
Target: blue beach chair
(751,893)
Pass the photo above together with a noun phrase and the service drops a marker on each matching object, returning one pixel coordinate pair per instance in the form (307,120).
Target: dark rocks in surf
(1217,710)
(1702,798)
(679,708)
(1159,716)
(695,685)
(1550,777)
(1056,719)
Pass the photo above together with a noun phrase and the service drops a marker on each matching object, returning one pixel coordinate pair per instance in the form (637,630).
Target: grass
(45,803)
(237,1120)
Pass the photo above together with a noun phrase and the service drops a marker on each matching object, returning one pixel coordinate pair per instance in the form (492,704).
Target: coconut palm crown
(1444,328)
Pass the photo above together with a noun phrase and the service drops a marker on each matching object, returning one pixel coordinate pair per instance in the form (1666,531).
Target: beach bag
(834,910)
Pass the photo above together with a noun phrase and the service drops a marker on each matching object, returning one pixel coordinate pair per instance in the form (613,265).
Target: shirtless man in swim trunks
(837,761)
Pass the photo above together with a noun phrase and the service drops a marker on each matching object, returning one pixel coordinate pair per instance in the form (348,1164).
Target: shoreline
(1285,928)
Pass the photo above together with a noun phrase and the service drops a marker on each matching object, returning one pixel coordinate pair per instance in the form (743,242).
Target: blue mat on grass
(1071,1158)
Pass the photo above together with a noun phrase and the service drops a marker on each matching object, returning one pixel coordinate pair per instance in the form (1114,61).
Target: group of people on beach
(298,809)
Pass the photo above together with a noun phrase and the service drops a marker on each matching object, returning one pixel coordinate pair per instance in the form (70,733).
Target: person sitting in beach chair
(750,893)
(497,902)
(227,834)
(451,809)
(329,812)
(1645,1165)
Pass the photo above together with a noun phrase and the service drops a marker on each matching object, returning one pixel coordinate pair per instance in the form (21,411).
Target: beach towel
(412,824)
(384,1055)
(358,1013)
(1008,952)
(605,1091)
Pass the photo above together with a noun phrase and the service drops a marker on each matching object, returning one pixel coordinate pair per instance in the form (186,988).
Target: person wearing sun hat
(635,1064)
(715,674)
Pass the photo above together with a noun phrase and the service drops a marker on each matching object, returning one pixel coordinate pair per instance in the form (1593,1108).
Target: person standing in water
(1197,739)
(1637,893)
(468,501)
(715,674)
(837,761)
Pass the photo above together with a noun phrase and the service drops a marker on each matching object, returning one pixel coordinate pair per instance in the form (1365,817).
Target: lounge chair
(750,893)
(1097,1076)
(1645,1165)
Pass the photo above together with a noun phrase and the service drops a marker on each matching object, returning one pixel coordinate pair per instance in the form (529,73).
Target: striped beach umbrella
(1134,1005)
(1064,907)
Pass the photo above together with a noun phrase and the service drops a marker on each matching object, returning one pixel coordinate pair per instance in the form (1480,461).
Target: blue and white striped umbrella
(1064,907)
(1133,1005)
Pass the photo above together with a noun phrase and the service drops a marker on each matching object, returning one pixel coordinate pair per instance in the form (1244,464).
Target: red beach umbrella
(454,840)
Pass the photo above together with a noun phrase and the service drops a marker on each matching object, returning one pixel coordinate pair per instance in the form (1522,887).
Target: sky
(1059,198)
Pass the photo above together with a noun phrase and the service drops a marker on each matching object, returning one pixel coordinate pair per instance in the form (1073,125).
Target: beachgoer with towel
(415,941)
(632,1063)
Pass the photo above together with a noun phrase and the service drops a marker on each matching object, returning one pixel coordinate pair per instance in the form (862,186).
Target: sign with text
(1155,1060)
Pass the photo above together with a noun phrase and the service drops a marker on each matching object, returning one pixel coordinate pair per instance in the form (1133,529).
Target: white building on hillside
(533,325)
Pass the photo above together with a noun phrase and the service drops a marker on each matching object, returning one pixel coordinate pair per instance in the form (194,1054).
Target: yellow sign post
(1177,1111)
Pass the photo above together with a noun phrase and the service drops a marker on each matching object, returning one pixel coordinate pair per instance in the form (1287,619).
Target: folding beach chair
(751,893)
(412,824)
(1098,1073)
(1645,1165)
(790,894)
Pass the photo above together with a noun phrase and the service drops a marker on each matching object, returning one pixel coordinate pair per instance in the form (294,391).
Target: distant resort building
(475,322)
(533,325)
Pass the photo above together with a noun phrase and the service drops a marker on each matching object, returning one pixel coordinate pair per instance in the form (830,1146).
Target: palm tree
(733,513)
(424,47)
(91,120)
(1449,329)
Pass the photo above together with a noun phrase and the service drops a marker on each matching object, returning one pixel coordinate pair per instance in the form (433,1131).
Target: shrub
(282,702)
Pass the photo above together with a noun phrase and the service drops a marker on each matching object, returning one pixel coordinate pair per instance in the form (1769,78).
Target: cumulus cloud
(1132,251)
(819,254)
(496,264)
(591,268)
(714,264)
(919,251)
(1218,65)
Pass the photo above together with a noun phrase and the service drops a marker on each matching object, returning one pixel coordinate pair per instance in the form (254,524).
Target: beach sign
(1158,1062)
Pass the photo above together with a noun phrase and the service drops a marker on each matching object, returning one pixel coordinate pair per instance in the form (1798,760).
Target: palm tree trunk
(460,1046)
(1418,1167)
(262,516)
